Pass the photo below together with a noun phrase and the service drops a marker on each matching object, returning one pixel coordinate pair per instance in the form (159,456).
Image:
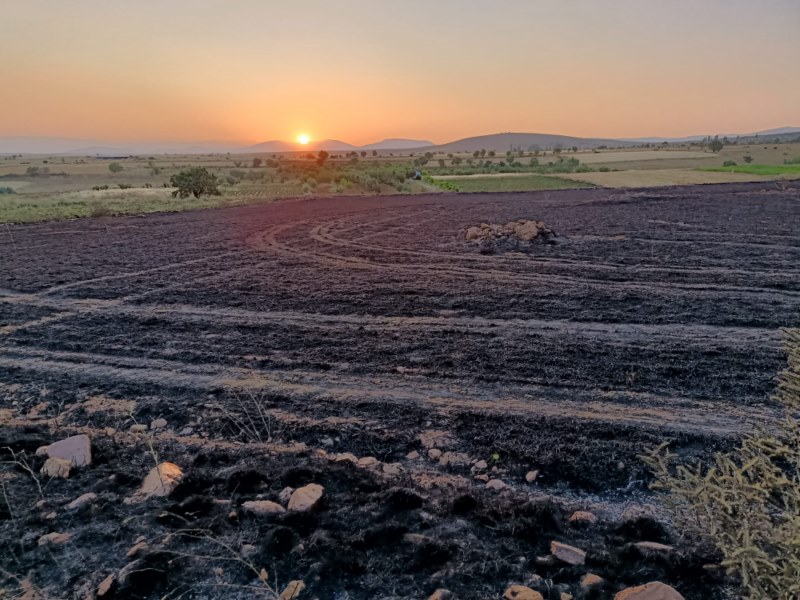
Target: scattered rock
(442,594)
(496,484)
(249,551)
(413,455)
(159,423)
(160,481)
(136,548)
(654,590)
(531,476)
(306,497)
(56,467)
(582,517)
(591,580)
(186,431)
(76,449)
(568,554)
(482,477)
(368,462)
(521,592)
(293,590)
(125,572)
(510,235)
(653,548)
(433,438)
(54,539)
(434,454)
(565,596)
(262,507)
(636,512)
(454,459)
(392,469)
(138,428)
(105,586)
(82,501)
(285,495)
(481,465)
(345,457)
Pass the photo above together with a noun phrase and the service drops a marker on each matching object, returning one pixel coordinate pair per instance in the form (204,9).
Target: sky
(364,70)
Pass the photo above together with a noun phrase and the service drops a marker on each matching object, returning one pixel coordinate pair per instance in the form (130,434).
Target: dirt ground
(275,339)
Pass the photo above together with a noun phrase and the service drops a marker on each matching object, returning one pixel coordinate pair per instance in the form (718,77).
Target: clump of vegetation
(196,182)
(792,161)
(115,167)
(729,163)
(7,190)
(747,501)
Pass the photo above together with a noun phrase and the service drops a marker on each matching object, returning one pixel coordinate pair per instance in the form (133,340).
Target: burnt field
(276,340)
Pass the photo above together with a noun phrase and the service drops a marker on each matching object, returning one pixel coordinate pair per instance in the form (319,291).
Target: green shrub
(115,167)
(7,190)
(196,182)
(747,502)
(729,163)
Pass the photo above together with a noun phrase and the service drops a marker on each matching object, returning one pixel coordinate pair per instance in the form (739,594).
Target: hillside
(502,142)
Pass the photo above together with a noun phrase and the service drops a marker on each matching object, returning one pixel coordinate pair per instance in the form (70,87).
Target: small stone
(368,462)
(568,554)
(160,481)
(442,594)
(521,592)
(413,455)
(454,459)
(249,551)
(565,596)
(434,453)
(109,431)
(435,439)
(285,495)
(54,539)
(159,423)
(136,548)
(346,457)
(496,484)
(481,465)
(186,431)
(105,586)
(591,580)
(655,590)
(392,469)
(531,476)
(636,512)
(262,507)
(545,561)
(56,467)
(82,501)
(293,590)
(306,497)
(653,548)
(76,449)
(138,428)
(51,515)
(582,517)
(482,477)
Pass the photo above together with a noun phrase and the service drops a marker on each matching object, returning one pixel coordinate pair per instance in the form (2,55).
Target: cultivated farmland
(456,402)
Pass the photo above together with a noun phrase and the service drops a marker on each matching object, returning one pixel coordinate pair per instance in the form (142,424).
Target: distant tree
(237,163)
(374,153)
(476,154)
(483,152)
(557,150)
(715,145)
(491,153)
(574,148)
(747,159)
(115,167)
(322,156)
(196,182)
(441,162)
(257,162)
(363,154)
(456,160)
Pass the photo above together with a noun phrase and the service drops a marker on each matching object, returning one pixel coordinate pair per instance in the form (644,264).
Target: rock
(442,594)
(54,539)
(565,596)
(138,428)
(433,438)
(368,462)
(568,554)
(521,592)
(76,449)
(531,476)
(125,572)
(82,501)
(413,455)
(392,469)
(158,424)
(293,590)
(454,459)
(582,517)
(345,457)
(481,465)
(434,454)
(654,590)
(109,431)
(105,586)
(249,551)
(136,548)
(160,481)
(56,467)
(186,431)
(653,548)
(591,580)
(306,497)
(636,512)
(416,538)
(496,484)
(285,495)
(262,507)
(482,477)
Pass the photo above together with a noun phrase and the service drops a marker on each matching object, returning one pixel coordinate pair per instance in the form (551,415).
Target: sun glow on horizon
(303,139)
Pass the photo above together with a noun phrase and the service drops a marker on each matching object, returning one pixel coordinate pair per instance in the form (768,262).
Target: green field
(759,169)
(525,183)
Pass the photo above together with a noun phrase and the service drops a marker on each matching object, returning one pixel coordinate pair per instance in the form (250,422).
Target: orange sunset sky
(360,71)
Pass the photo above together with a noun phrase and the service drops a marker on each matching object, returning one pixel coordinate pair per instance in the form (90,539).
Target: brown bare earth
(276,341)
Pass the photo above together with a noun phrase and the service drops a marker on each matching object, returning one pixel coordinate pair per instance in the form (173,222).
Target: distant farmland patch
(791,169)
(509,183)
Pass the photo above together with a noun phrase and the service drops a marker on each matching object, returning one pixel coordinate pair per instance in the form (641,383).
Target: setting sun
(303,139)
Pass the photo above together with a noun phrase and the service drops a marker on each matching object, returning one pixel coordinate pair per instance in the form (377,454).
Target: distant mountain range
(499,142)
